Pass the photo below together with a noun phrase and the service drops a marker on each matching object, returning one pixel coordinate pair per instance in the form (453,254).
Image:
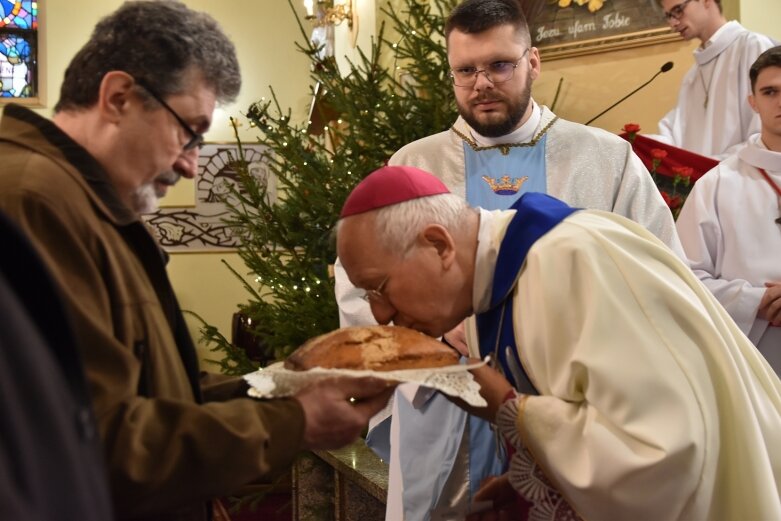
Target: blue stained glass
(19,14)
(18,38)
(16,67)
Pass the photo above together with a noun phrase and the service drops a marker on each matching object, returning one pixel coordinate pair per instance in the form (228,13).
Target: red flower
(683,171)
(631,128)
(672,201)
(658,153)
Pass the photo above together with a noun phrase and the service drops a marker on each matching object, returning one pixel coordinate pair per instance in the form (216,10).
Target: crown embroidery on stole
(505,185)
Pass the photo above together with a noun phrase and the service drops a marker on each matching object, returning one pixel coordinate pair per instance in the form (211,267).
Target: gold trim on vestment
(505,147)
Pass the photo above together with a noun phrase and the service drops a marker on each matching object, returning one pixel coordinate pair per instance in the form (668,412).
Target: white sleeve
(639,199)
(702,236)
(353,310)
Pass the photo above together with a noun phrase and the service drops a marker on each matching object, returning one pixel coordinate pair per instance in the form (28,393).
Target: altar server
(712,116)
(730,225)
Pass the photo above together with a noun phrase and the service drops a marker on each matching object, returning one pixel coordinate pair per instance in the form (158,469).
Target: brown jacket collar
(26,128)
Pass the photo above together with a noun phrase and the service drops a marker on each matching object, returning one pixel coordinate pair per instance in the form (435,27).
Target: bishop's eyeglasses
(373,296)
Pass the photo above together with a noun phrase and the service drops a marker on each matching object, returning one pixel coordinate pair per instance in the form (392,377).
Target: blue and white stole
(497,176)
(536,214)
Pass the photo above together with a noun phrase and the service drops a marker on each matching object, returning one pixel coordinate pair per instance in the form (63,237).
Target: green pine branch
(372,111)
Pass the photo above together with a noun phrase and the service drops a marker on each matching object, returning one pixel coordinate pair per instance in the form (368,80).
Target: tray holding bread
(390,352)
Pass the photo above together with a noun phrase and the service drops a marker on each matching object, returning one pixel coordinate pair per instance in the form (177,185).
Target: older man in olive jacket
(133,106)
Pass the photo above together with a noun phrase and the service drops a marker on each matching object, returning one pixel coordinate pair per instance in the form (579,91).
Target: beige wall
(594,82)
(762,16)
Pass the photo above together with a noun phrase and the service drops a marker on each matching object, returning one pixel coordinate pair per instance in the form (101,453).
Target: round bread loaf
(378,348)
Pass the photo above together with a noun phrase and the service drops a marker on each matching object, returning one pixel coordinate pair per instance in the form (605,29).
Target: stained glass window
(18,48)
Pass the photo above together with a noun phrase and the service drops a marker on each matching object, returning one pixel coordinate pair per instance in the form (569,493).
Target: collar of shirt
(522,134)
(756,154)
(717,43)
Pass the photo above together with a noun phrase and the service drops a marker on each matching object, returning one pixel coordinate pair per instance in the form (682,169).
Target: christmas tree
(367,114)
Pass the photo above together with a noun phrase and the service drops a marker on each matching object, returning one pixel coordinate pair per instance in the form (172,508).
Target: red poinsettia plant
(674,182)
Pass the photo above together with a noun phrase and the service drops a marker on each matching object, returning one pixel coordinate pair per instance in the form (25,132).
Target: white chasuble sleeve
(639,199)
(625,414)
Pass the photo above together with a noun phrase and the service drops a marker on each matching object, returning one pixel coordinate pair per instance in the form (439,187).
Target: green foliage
(370,112)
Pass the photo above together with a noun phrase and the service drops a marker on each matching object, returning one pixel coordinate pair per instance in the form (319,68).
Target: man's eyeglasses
(496,72)
(196,140)
(375,295)
(676,11)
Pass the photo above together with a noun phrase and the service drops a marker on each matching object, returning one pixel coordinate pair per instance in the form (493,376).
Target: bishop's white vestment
(585,166)
(652,404)
(712,116)
(729,234)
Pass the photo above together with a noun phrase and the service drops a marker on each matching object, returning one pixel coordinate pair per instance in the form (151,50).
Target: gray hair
(398,225)
(158,42)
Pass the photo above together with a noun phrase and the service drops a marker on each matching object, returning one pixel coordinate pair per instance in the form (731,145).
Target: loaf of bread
(378,348)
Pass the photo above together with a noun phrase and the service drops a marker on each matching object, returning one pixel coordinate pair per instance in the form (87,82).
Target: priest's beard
(146,198)
(515,111)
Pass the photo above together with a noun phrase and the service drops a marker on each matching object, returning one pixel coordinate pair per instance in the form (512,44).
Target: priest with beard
(503,145)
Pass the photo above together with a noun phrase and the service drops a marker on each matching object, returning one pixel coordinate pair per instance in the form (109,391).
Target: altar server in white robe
(644,400)
(502,146)
(712,116)
(730,225)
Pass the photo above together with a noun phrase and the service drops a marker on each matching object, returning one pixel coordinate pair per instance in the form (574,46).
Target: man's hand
(456,338)
(770,305)
(332,420)
(493,387)
(498,490)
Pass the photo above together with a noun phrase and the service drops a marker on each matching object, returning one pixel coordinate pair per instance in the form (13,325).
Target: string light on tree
(364,116)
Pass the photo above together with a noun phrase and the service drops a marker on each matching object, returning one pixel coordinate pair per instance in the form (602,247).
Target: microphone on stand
(666,67)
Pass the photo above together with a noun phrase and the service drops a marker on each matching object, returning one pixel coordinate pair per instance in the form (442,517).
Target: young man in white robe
(502,146)
(623,387)
(730,225)
(712,116)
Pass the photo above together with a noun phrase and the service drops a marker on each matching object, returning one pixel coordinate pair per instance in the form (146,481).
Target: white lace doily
(454,380)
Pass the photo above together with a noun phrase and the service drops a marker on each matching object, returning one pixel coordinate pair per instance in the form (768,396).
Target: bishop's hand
(494,388)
